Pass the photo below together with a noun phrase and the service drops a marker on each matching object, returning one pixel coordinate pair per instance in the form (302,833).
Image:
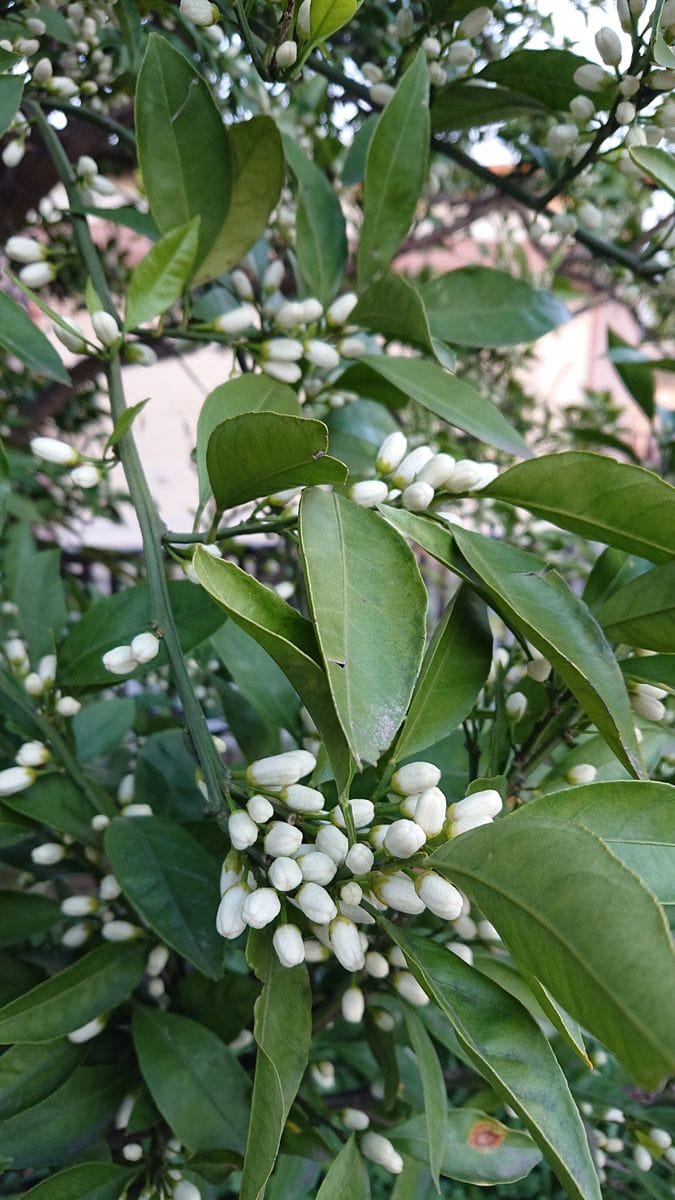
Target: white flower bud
(302,799)
(106,328)
(48,853)
(86,476)
(140,354)
(317,867)
(355,1118)
(581,774)
(629,86)
(411,465)
(32,754)
(237,319)
(138,810)
(157,960)
(440,897)
(260,810)
(339,312)
(430,811)
(437,471)
(363,812)
(608,46)
(126,789)
(461,54)
(398,892)
(273,276)
(561,138)
(27,46)
(332,841)
(33,685)
(288,945)
(62,87)
(13,152)
(320,354)
(54,451)
(316,903)
(76,935)
(282,840)
(346,945)
(86,1032)
(283,349)
(461,951)
(145,647)
(649,689)
(42,71)
(285,874)
(351,894)
(100,822)
(589,215)
(438,76)
(404,838)
(229,921)
(474,22)
(369,492)
(286,55)
(16,779)
(79,906)
(417,496)
(404,23)
(486,803)
(359,859)
(582,108)
(119,660)
(590,78)
(242,284)
(353,1005)
(281,770)
(381,94)
(407,986)
(315,952)
(376,965)
(72,337)
(260,907)
(132,1152)
(516,706)
(200,12)
(642,1158)
(431,47)
(242,830)
(625,112)
(539,669)
(415,777)
(25,249)
(380,1150)
(120,931)
(290,315)
(304,21)
(391,453)
(647,707)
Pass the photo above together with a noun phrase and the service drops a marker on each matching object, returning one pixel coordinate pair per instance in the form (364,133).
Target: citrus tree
(336,831)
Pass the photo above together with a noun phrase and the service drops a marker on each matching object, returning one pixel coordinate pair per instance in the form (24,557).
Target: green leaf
(483,306)
(258,678)
(658,163)
(288,638)
(356,431)
(86,1181)
(383,1049)
(65,1122)
(20,336)
(433,1088)
(115,620)
(183,146)
(453,672)
(29,1074)
(472,105)
(11,91)
(538,603)
(642,613)
(58,803)
(13,829)
(127,216)
(368,606)
(393,307)
(248,393)
(597,497)
(548,887)
(321,234)
(5,486)
(508,1049)
(25,914)
(258,176)
(476,1149)
(283,1031)
(123,425)
(637,376)
(635,819)
(165,776)
(256,454)
(611,570)
(396,170)
(93,985)
(452,399)
(162,275)
(658,669)
(327,16)
(100,727)
(195,1080)
(663,54)
(347,1178)
(173,884)
(545,75)
(35,585)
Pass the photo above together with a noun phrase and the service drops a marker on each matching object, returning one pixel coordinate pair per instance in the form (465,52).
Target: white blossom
(332,841)
(581,774)
(54,451)
(398,892)
(345,944)
(288,945)
(339,312)
(86,476)
(48,853)
(86,1032)
(229,920)
(380,1150)
(237,320)
(362,811)
(415,777)
(608,45)
(32,754)
(242,830)
(106,328)
(369,492)
(317,867)
(474,22)
(285,874)
(440,897)
(282,840)
(316,903)
(145,647)
(281,770)
(200,12)
(404,838)
(260,907)
(417,496)
(259,810)
(119,660)
(359,859)
(302,799)
(287,54)
(355,1118)
(407,986)
(353,1005)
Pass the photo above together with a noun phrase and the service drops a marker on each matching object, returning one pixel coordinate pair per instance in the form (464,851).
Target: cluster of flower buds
(611,1135)
(449,54)
(39,682)
(28,759)
(646,701)
(122,660)
(293,864)
(84,474)
(417,476)
(37,271)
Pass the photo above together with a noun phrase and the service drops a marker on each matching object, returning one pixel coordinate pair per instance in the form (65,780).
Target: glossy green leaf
(86,1181)
(195,1080)
(123,425)
(597,497)
(347,1178)
(321,233)
(100,727)
(183,146)
(635,819)
(21,337)
(393,307)
(484,306)
(66,1122)
(34,583)
(611,570)
(642,613)
(356,431)
(173,884)
(126,215)
(5,486)
(25,914)
(248,393)
(636,376)
(258,453)
(365,591)
(56,802)
(396,169)
(288,638)
(433,1089)
(161,276)
(471,105)
(452,399)
(165,776)
(477,1148)
(453,672)
(548,886)
(13,829)
(539,604)
(327,16)
(382,1046)
(547,76)
(11,91)
(282,1030)
(258,176)
(30,1073)
(508,1049)
(658,163)
(95,984)
(115,620)
(258,678)
(658,669)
